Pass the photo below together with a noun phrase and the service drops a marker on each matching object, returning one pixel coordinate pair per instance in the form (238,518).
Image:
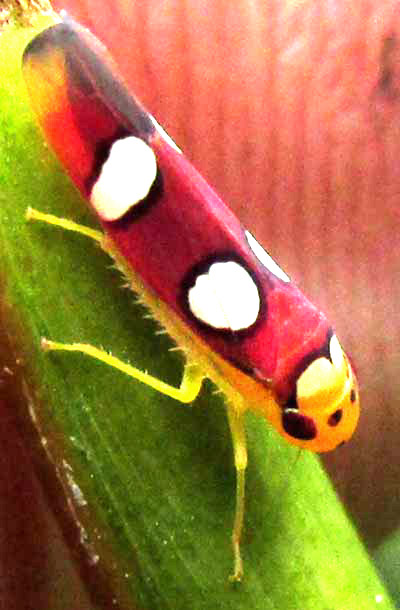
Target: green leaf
(387,558)
(151,482)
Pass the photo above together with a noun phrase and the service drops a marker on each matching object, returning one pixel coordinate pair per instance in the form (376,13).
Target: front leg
(238,432)
(188,390)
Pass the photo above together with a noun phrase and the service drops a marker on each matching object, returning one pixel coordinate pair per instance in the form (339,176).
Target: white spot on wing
(165,135)
(226,296)
(265,259)
(336,352)
(125,179)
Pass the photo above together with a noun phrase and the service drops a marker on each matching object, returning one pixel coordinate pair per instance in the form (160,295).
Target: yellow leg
(187,392)
(192,376)
(236,423)
(64,223)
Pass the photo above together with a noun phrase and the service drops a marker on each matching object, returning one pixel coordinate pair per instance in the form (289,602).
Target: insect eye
(298,426)
(335,418)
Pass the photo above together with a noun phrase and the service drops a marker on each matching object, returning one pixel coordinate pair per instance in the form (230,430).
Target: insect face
(327,405)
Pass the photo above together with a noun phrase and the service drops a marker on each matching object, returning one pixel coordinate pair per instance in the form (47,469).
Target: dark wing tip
(58,35)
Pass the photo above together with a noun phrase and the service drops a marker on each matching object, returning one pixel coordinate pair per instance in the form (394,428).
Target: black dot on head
(353,395)
(335,418)
(298,426)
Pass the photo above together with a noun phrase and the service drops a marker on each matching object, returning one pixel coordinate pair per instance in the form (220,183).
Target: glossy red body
(183,223)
